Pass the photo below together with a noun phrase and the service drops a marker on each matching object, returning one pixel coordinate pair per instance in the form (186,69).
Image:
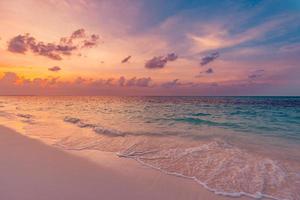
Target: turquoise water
(266,116)
(230,145)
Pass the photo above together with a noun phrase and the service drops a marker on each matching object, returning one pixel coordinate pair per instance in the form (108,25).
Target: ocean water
(230,145)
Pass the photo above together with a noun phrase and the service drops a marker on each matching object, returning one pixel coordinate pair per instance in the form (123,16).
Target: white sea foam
(219,167)
(222,169)
(72,120)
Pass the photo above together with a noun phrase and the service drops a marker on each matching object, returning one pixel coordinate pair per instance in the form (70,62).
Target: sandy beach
(32,170)
(149,100)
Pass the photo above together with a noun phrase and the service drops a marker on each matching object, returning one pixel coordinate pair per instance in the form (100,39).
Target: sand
(31,170)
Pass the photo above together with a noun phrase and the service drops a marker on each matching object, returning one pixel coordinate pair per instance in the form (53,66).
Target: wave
(198,121)
(113,132)
(200,114)
(221,168)
(26,116)
(216,165)
(96,128)
(72,120)
(244,113)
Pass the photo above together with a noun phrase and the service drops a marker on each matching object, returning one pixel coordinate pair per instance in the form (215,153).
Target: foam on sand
(218,166)
(32,170)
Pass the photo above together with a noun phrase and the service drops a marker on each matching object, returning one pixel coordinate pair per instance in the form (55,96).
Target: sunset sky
(149,47)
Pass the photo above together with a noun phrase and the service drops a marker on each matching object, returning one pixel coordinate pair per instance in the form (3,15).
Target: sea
(232,146)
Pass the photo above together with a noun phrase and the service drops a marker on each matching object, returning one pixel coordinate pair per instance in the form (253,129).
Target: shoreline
(31,169)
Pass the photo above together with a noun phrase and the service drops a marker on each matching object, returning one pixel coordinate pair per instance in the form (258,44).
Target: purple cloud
(256,74)
(125,60)
(91,41)
(24,43)
(66,46)
(207,59)
(158,62)
(143,82)
(209,71)
(80,33)
(171,84)
(18,44)
(140,82)
(172,57)
(12,84)
(122,81)
(54,69)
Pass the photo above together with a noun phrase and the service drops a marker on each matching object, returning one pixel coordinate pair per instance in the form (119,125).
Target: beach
(149,100)
(32,170)
(119,148)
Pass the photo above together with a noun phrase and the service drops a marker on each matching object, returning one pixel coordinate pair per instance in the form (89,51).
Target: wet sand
(31,170)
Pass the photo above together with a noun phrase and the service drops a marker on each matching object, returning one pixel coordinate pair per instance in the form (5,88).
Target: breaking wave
(222,169)
(96,128)
(218,166)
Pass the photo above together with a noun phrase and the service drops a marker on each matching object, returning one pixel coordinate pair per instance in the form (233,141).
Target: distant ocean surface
(230,145)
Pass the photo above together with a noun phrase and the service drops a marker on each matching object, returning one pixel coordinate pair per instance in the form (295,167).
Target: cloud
(209,58)
(80,33)
(18,44)
(143,82)
(9,78)
(158,62)
(13,84)
(256,74)
(139,82)
(54,69)
(122,81)
(24,43)
(209,71)
(171,84)
(91,41)
(109,81)
(65,47)
(125,60)
(219,34)
(290,48)
(171,57)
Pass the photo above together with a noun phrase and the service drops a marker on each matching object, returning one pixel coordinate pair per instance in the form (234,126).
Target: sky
(149,47)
